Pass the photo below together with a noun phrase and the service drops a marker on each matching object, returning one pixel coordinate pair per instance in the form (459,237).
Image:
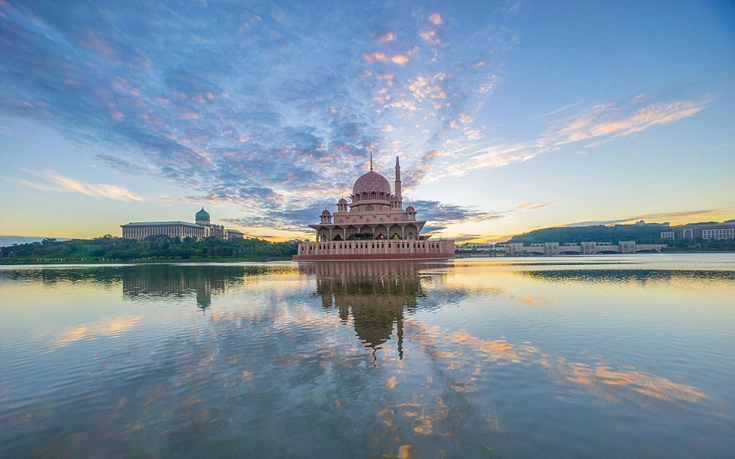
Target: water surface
(607,356)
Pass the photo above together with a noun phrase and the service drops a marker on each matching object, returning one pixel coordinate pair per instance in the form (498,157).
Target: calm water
(614,356)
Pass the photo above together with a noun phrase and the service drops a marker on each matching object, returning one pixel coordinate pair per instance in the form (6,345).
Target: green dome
(202,215)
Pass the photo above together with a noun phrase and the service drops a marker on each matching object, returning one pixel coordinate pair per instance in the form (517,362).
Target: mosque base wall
(375,250)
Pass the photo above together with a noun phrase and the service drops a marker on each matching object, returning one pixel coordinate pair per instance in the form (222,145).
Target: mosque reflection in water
(376,295)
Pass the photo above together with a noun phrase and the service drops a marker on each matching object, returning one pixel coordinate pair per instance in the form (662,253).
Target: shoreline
(67,261)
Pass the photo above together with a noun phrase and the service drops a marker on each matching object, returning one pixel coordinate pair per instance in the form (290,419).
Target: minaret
(397,186)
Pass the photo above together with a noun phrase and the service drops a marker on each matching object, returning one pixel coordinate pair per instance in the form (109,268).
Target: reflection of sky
(486,350)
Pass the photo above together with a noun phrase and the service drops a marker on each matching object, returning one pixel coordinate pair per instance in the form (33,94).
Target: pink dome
(326,212)
(395,198)
(410,209)
(342,201)
(372,181)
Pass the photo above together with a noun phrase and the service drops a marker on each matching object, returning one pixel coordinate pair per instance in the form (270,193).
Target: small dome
(410,210)
(326,213)
(395,198)
(342,201)
(202,215)
(371,182)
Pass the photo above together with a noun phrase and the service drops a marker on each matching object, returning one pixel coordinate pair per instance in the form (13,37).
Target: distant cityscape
(690,232)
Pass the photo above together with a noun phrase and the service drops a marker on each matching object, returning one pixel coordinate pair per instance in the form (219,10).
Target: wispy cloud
(675,217)
(606,122)
(439,212)
(558,110)
(536,205)
(599,124)
(52,181)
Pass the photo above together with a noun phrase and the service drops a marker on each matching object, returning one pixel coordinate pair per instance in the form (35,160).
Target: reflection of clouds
(111,327)
(610,383)
(530,300)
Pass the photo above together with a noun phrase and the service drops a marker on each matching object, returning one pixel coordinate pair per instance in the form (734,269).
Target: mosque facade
(373,226)
(201,229)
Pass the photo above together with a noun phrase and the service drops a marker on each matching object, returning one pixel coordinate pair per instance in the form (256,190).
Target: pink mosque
(373,226)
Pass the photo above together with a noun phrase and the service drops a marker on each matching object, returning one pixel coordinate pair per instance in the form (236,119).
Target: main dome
(371,182)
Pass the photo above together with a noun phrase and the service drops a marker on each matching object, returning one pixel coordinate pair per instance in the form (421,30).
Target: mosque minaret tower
(397,183)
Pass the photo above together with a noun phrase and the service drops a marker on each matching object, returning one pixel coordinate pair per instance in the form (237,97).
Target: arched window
(357,197)
(382,196)
(369,207)
(372,195)
(364,196)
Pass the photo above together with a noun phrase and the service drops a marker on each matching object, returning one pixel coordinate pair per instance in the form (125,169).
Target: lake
(609,356)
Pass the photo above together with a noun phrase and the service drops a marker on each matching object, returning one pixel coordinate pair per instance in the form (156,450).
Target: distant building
(584,248)
(202,229)
(707,231)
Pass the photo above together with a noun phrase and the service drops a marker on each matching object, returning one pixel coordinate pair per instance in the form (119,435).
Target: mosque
(202,229)
(373,226)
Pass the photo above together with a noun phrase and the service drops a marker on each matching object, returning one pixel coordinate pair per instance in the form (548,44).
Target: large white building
(707,231)
(202,229)
(373,226)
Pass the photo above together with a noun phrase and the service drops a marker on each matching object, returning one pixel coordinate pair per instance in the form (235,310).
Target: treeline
(643,234)
(109,248)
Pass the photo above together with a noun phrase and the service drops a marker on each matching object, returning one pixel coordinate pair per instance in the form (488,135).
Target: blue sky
(507,116)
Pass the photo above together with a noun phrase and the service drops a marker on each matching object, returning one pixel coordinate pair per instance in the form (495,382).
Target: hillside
(648,233)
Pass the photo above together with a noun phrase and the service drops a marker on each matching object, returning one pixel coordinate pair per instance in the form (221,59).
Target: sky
(507,116)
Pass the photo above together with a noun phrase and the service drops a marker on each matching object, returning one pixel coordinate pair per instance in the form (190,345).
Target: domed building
(373,225)
(202,229)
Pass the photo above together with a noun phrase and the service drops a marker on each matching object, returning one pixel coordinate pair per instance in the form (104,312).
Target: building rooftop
(163,223)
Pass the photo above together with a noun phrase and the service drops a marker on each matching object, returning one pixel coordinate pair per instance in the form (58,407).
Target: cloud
(51,181)
(535,205)
(295,220)
(399,59)
(439,212)
(430,36)
(375,57)
(675,217)
(386,38)
(472,158)
(269,111)
(602,123)
(610,121)
(433,228)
